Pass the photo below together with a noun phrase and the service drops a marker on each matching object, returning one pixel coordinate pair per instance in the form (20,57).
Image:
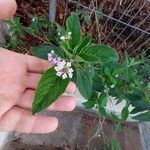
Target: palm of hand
(19,77)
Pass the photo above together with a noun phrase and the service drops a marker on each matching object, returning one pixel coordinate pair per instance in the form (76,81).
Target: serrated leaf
(49,89)
(143,117)
(73,26)
(97,83)
(84,82)
(137,102)
(86,40)
(124,113)
(43,50)
(99,53)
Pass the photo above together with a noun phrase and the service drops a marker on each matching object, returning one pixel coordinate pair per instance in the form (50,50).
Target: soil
(64,7)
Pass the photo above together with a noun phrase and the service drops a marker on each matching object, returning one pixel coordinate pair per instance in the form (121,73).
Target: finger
(34,78)
(36,65)
(7,8)
(71,88)
(7,102)
(64,103)
(23,121)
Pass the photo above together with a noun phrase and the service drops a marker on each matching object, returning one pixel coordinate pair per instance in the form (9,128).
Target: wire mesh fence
(124,25)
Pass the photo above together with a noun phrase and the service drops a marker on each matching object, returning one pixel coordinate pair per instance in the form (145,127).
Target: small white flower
(64,69)
(112,86)
(116,75)
(58,33)
(34,18)
(70,75)
(52,52)
(59,74)
(53,58)
(64,76)
(70,70)
(50,57)
(63,38)
(69,33)
(68,37)
(68,64)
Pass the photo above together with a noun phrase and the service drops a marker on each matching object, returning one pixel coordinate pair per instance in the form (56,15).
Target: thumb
(7,8)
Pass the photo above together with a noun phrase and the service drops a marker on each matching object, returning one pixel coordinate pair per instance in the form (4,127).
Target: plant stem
(41,39)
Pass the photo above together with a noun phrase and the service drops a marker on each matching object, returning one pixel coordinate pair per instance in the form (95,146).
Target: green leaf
(102,100)
(49,89)
(86,40)
(97,83)
(137,102)
(124,113)
(84,82)
(43,50)
(118,127)
(89,104)
(100,14)
(73,26)
(102,111)
(143,117)
(113,144)
(99,53)
(109,75)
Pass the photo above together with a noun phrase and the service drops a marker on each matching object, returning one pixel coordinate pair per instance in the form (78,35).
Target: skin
(19,76)
(7,8)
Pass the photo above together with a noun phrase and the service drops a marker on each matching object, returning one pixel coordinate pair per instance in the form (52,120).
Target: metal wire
(114,19)
(135,29)
(119,19)
(129,24)
(132,10)
(136,40)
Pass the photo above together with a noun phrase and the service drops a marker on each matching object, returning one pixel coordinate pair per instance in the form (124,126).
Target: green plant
(84,56)
(95,68)
(16,33)
(98,73)
(112,145)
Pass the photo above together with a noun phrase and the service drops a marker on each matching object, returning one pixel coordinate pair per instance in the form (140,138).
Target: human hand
(19,76)
(7,8)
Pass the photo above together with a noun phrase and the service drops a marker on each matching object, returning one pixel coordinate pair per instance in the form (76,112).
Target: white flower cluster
(62,67)
(66,37)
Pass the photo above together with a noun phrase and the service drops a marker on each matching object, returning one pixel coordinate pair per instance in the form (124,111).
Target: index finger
(36,65)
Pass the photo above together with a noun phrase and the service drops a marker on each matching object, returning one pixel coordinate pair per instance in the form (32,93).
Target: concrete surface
(78,130)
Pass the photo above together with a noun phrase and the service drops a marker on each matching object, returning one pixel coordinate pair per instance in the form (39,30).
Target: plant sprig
(97,71)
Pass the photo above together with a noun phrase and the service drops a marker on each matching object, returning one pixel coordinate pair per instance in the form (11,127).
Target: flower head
(66,37)
(112,86)
(64,69)
(62,38)
(53,58)
(116,75)
(69,33)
